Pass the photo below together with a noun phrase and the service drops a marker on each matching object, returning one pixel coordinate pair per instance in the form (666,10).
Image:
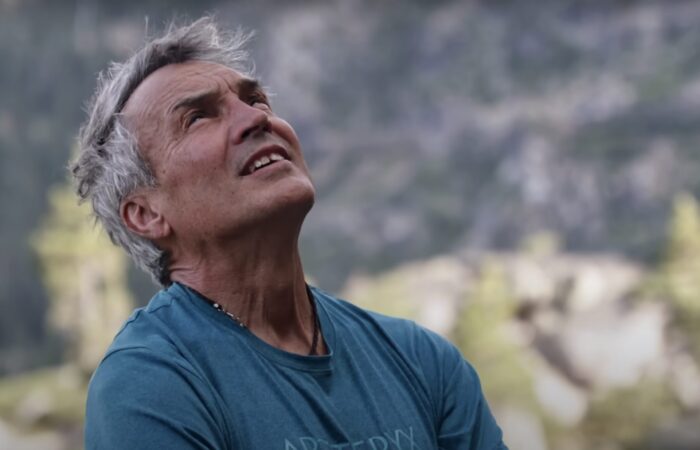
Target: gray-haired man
(190,170)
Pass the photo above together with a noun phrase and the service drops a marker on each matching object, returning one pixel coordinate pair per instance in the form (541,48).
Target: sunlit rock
(522,429)
(559,397)
(612,347)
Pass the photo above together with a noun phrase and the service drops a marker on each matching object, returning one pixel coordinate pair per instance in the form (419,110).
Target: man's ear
(142,218)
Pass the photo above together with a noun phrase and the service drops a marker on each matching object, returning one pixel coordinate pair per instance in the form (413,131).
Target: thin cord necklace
(314,341)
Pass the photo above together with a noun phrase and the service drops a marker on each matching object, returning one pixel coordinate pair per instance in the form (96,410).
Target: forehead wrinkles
(146,110)
(159,94)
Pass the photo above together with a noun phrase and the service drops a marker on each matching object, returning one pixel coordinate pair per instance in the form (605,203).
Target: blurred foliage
(89,300)
(677,280)
(625,418)
(385,294)
(86,277)
(50,398)
(541,244)
(681,266)
(482,333)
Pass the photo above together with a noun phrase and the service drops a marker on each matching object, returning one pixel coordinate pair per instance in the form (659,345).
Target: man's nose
(248,121)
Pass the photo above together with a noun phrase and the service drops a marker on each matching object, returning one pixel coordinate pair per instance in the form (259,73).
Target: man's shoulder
(410,338)
(150,326)
(145,343)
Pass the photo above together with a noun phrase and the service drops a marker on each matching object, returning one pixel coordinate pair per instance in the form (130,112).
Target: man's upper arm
(142,399)
(466,421)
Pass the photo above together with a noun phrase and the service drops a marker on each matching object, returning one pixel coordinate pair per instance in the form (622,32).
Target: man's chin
(292,198)
(300,199)
(293,190)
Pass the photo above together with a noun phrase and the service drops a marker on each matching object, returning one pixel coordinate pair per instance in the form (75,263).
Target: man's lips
(265,151)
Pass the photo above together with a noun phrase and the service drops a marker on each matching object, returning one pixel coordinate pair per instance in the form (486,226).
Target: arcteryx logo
(396,440)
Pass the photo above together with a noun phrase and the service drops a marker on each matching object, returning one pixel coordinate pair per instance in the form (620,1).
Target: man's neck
(261,282)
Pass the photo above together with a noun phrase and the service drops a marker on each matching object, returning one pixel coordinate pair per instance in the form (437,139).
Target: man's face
(223,161)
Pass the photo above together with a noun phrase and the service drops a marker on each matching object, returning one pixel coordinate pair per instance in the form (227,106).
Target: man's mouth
(264,157)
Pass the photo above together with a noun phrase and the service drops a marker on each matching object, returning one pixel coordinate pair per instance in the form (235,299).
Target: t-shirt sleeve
(466,422)
(142,399)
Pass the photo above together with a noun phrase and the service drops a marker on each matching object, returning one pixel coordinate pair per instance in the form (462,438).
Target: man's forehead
(171,82)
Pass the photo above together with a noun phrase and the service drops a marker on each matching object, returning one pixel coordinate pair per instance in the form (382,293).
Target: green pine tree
(85,276)
(678,278)
(481,333)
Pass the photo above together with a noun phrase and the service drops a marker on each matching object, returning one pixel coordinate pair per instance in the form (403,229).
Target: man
(190,170)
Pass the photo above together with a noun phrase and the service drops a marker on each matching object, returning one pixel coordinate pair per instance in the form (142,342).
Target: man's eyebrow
(195,99)
(247,85)
(244,87)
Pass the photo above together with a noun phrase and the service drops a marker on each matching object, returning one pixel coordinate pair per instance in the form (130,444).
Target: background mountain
(428,127)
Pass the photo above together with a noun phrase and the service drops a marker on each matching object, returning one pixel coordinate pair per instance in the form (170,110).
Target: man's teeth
(265,160)
(259,163)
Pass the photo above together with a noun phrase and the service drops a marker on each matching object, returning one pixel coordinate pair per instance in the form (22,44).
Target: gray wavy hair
(109,166)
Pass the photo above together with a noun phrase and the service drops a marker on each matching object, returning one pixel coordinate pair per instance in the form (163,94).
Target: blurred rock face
(577,329)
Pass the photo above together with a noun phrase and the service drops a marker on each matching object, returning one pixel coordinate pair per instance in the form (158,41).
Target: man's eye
(192,118)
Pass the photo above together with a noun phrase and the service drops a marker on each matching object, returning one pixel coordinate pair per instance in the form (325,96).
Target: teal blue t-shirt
(182,375)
